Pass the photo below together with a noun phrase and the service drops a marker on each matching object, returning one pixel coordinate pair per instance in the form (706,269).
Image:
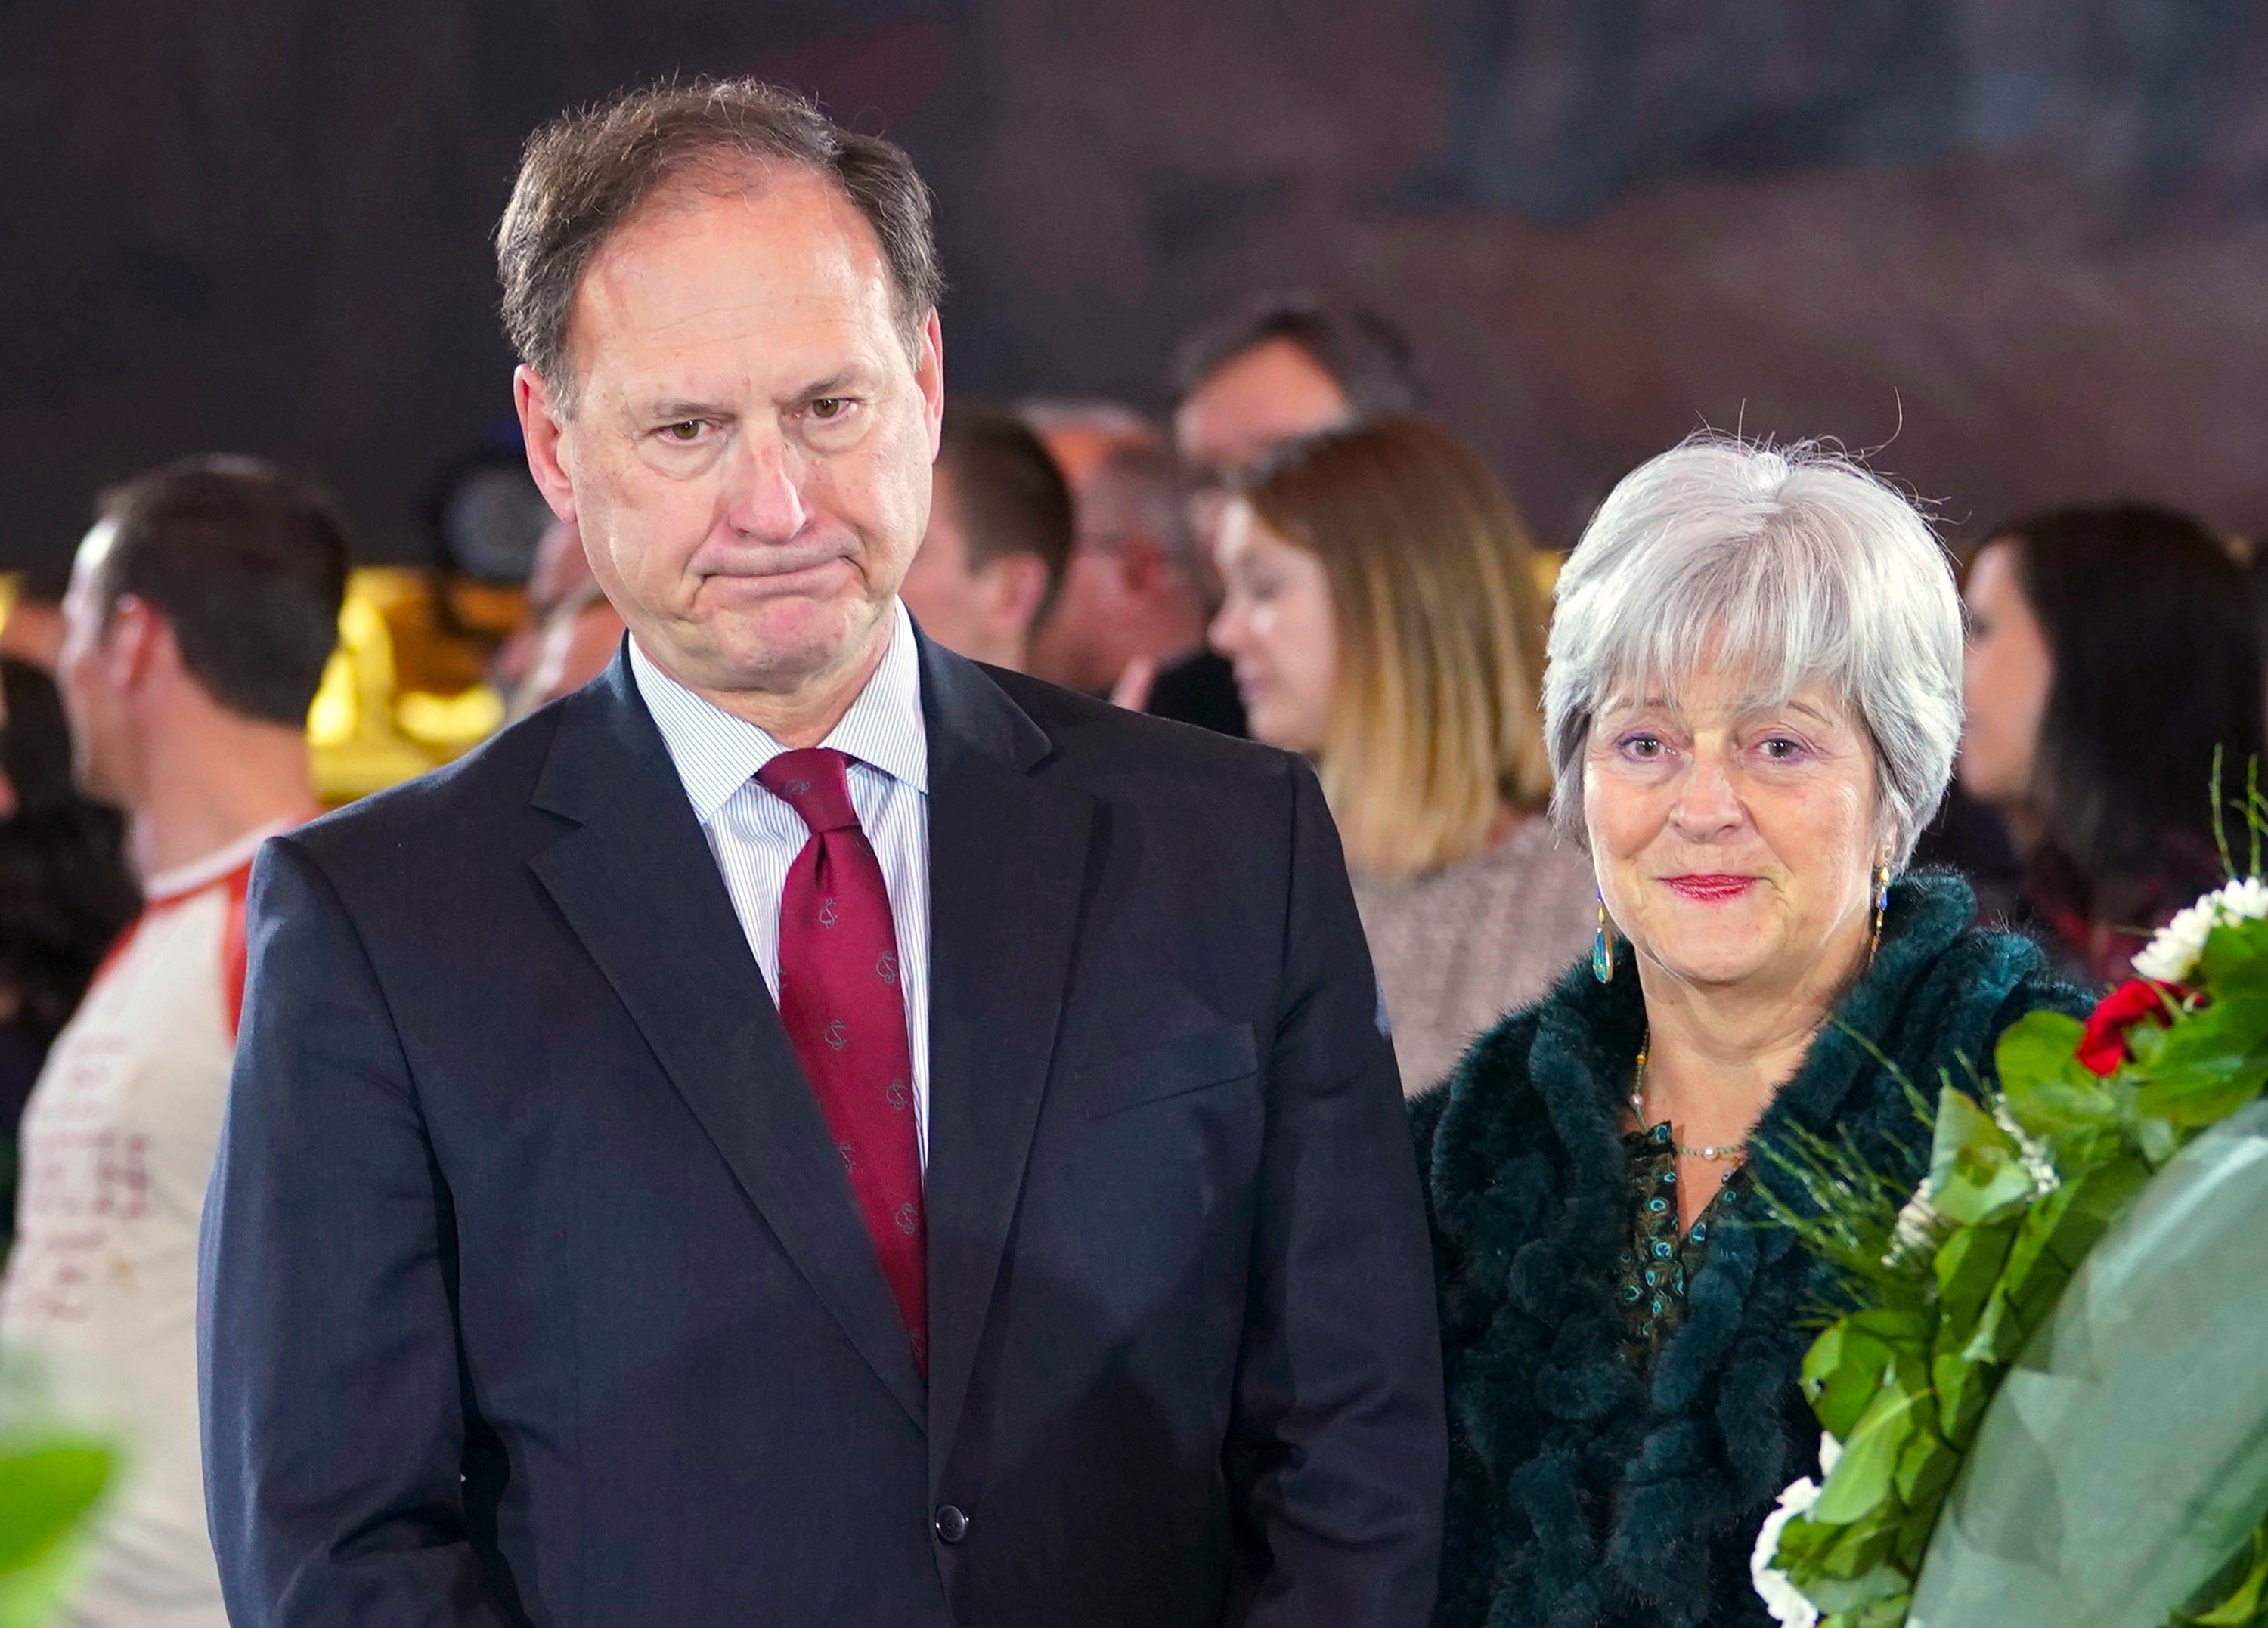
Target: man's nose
(765,501)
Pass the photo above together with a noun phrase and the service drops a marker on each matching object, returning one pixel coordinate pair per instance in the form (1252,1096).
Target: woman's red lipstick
(1710,889)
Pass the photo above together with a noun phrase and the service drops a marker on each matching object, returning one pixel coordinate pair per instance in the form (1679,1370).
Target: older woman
(1752,701)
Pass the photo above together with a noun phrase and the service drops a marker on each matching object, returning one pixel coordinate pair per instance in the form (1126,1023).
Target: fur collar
(1583,1492)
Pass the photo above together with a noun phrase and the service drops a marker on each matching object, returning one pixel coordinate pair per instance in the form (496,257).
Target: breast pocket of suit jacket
(1172,1069)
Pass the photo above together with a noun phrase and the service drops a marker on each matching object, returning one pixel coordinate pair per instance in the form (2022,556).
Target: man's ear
(136,643)
(1016,584)
(929,377)
(541,425)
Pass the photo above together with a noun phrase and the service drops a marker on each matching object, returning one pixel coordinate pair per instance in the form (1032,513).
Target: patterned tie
(840,1001)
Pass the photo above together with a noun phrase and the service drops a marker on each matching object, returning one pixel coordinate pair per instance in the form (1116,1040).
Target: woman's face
(1734,842)
(2006,677)
(1275,625)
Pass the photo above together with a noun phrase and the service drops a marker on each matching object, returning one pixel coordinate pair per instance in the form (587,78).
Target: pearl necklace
(1730,1150)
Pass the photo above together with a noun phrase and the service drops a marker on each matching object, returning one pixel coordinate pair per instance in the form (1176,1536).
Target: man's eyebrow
(835,383)
(676,409)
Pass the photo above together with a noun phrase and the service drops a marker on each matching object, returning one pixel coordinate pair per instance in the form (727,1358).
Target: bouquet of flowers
(2044,1402)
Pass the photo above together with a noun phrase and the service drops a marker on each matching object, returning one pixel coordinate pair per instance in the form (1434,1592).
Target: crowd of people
(1752,808)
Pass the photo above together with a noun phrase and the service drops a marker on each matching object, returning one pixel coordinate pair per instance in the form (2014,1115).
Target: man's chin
(781,644)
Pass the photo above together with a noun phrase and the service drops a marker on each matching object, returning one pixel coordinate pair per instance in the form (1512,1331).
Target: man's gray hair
(586,172)
(1788,566)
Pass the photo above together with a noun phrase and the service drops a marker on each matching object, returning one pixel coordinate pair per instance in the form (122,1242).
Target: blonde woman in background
(1383,618)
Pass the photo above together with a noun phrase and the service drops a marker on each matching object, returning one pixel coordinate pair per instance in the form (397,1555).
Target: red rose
(2103,1046)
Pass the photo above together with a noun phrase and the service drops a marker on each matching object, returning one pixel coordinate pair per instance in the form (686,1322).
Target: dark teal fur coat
(1583,1492)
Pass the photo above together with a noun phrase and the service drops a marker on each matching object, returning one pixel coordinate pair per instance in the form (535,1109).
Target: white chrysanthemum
(2172,955)
(2245,900)
(1781,1597)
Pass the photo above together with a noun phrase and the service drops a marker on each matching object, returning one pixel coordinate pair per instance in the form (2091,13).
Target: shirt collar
(168,885)
(717,753)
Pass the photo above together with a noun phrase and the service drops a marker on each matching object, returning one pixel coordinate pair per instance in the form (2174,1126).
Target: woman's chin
(1721,959)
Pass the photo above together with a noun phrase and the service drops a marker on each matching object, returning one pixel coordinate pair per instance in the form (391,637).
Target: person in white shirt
(202,606)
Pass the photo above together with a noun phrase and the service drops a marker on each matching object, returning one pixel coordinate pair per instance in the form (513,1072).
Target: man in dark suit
(807,1129)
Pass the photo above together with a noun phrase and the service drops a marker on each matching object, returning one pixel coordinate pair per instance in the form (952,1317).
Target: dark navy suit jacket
(532,1291)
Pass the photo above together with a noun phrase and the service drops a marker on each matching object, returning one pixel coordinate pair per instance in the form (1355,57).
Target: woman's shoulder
(1994,971)
(1527,1086)
(1950,985)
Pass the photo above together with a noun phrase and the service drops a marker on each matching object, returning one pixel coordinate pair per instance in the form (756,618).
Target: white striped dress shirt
(755,836)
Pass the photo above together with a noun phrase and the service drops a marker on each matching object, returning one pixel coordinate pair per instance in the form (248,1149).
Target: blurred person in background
(65,893)
(1286,366)
(33,628)
(202,606)
(571,632)
(573,646)
(1079,434)
(1383,618)
(1137,593)
(2111,653)
(559,577)
(999,535)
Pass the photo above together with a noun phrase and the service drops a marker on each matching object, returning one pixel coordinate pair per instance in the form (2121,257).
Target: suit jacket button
(952,1525)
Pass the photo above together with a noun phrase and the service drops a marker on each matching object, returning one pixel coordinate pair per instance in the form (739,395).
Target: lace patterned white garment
(1458,948)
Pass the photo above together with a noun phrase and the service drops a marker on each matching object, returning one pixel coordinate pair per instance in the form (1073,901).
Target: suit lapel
(638,885)
(1008,856)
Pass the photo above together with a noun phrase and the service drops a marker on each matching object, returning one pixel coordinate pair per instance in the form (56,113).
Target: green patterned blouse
(1654,1266)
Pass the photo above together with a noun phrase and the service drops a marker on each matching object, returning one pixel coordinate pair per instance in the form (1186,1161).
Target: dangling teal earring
(1882,906)
(1602,949)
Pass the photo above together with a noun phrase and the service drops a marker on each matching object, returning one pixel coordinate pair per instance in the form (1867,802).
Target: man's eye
(685,429)
(826,409)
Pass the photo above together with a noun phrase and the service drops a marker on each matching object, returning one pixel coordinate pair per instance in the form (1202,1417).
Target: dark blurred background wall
(2024,242)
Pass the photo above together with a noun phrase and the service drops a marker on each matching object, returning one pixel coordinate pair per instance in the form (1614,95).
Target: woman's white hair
(1787,566)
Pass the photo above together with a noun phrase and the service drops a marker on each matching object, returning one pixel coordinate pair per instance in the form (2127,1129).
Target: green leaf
(1841,1373)
(2038,1046)
(1860,1483)
(1966,1265)
(1913,1536)
(1999,1332)
(2214,1060)
(1926,1468)
(2234,962)
(1963,1387)
(1880,1582)
(1977,1174)
(1859,1550)
(2197,1081)
(1901,1328)
(1803,1544)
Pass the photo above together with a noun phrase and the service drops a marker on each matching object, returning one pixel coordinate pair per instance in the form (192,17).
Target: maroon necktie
(840,1003)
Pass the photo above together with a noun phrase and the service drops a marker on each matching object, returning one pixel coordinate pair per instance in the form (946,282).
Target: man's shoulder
(1096,738)
(464,807)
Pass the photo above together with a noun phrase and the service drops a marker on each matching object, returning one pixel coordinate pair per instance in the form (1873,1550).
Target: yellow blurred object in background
(366,731)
